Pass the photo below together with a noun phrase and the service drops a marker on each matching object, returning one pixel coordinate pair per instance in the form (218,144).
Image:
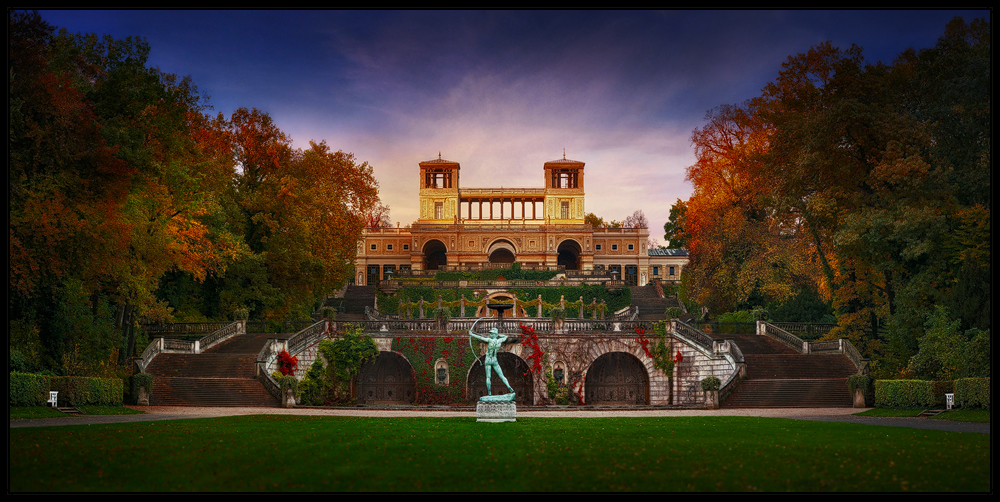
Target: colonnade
(507,208)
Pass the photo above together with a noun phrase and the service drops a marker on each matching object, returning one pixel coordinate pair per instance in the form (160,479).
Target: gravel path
(154,413)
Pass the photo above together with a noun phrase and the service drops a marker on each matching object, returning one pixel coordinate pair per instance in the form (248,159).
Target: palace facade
(470,228)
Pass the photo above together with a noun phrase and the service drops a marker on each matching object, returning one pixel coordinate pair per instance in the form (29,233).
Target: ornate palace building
(468,228)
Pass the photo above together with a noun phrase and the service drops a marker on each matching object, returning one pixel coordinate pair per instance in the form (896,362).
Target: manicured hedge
(27,389)
(972,393)
(78,391)
(904,394)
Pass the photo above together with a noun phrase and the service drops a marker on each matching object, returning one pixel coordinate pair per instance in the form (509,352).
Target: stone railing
(805,330)
(506,326)
(852,353)
(776,333)
(154,348)
(842,345)
(183,328)
(162,345)
(222,334)
(159,345)
(732,352)
(625,314)
(266,364)
(692,335)
(299,341)
(508,284)
(285,326)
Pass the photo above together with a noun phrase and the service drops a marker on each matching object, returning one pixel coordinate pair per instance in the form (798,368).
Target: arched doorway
(435,255)
(516,371)
(617,378)
(569,254)
(386,379)
(502,251)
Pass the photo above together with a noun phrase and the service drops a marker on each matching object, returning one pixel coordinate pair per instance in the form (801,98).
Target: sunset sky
(502,92)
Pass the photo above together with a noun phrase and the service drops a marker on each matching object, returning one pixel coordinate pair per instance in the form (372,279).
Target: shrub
(345,355)
(141,380)
(79,391)
(328,313)
(859,382)
(557,314)
(674,312)
(710,383)
(310,389)
(904,393)
(28,389)
(441,314)
(972,393)
(288,382)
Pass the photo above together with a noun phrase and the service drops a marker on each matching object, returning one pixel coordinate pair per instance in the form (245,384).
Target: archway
(435,255)
(569,255)
(617,378)
(514,368)
(502,251)
(386,379)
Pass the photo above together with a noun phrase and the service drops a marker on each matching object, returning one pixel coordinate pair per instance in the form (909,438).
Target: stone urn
(711,399)
(143,398)
(859,398)
(289,400)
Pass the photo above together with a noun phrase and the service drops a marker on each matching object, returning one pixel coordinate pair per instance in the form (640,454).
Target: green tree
(593,220)
(674,231)
(344,356)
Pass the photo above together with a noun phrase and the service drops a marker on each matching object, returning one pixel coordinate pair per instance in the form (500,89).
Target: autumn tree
(300,213)
(111,186)
(863,181)
(127,200)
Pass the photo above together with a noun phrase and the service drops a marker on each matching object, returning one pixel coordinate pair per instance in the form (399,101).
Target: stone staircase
(220,376)
(353,304)
(780,377)
(651,306)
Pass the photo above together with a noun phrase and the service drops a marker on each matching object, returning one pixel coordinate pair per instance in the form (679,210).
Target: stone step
(173,391)
(250,343)
(203,365)
(801,393)
(757,344)
(776,366)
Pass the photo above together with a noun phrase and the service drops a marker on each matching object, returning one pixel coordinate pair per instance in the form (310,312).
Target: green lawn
(958,415)
(290,453)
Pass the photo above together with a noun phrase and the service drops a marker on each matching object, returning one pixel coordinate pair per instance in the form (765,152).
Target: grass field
(308,453)
(958,415)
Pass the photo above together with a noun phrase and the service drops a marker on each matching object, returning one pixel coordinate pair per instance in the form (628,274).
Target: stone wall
(577,353)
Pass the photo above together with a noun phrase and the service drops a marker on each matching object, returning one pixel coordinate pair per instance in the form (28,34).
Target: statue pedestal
(496,412)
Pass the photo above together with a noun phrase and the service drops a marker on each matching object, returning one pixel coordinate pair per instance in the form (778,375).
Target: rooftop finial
(439,154)
(564,153)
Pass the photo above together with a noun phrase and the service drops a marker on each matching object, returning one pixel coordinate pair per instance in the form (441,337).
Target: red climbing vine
(530,340)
